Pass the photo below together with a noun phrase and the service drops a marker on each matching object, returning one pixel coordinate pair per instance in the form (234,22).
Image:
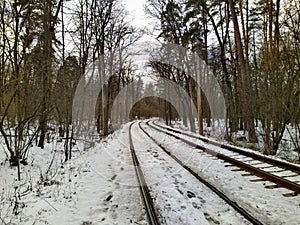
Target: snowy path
(97,187)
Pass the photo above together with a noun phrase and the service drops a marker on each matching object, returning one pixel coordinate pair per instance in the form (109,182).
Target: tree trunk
(48,29)
(191,103)
(246,103)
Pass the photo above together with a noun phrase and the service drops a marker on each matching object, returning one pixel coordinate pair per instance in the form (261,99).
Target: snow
(215,144)
(180,197)
(288,146)
(267,205)
(98,186)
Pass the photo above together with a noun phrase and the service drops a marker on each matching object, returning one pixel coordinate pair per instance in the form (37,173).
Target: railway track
(145,194)
(267,169)
(145,191)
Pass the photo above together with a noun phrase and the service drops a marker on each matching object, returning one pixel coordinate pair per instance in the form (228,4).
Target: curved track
(233,204)
(278,166)
(145,194)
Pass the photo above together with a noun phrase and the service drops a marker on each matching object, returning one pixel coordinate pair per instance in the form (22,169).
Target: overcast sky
(136,10)
(141,21)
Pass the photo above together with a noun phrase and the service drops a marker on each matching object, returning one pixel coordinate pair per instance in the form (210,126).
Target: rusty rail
(145,194)
(281,182)
(233,204)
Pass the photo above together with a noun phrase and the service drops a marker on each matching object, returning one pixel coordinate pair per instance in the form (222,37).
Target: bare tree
(49,22)
(244,87)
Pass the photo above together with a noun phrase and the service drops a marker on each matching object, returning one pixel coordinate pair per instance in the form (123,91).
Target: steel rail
(281,182)
(233,204)
(265,159)
(145,194)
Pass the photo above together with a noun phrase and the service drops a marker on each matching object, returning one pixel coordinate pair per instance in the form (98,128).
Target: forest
(46,47)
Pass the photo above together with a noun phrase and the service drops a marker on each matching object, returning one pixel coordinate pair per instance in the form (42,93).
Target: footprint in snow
(190,194)
(113,177)
(201,200)
(155,154)
(180,191)
(195,205)
(109,197)
(178,175)
(210,219)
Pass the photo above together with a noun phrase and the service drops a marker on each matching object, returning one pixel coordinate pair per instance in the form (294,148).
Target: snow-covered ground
(288,147)
(215,147)
(178,195)
(98,186)
(267,205)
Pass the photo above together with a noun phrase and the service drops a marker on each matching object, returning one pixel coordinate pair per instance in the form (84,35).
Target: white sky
(140,20)
(136,10)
